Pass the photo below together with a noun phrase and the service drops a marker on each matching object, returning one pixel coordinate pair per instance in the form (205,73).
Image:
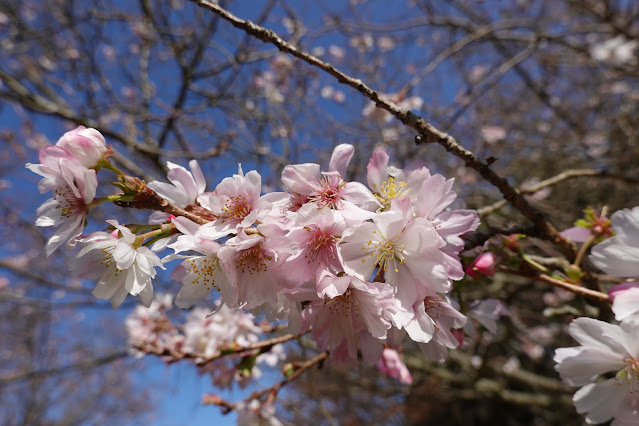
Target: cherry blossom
(604,348)
(198,274)
(121,265)
(254,265)
(406,250)
(237,204)
(307,184)
(316,237)
(74,187)
(185,185)
(445,320)
(360,315)
(625,301)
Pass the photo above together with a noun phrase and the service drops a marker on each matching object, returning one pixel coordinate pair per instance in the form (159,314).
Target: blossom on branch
(121,265)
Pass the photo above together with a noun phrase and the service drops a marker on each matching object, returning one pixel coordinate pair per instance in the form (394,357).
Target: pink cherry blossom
(254,265)
(74,188)
(143,326)
(308,185)
(358,317)
(121,266)
(315,237)
(446,320)
(185,185)
(87,145)
(237,204)
(49,167)
(388,182)
(198,274)
(604,348)
(406,250)
(431,197)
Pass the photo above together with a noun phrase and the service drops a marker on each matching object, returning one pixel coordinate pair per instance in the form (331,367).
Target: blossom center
(330,192)
(630,374)
(321,246)
(237,207)
(391,189)
(67,202)
(109,261)
(204,269)
(340,306)
(386,252)
(252,261)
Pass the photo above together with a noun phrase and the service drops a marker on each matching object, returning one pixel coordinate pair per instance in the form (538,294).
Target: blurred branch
(40,280)
(82,365)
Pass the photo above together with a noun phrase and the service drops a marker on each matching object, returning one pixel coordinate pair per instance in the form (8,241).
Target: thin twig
(586,292)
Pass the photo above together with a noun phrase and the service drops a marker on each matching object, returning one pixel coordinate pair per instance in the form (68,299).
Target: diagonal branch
(427,132)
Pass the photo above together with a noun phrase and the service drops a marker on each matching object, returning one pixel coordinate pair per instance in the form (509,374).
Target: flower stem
(96,202)
(583,249)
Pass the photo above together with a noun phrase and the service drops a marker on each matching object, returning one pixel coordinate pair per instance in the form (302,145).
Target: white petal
(600,400)
(615,257)
(124,255)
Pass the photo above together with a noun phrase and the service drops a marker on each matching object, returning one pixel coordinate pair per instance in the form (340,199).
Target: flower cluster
(203,337)
(361,266)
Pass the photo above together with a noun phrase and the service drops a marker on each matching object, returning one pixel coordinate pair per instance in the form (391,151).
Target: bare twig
(586,292)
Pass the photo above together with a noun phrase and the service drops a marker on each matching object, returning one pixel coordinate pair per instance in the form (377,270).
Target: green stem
(533,263)
(106,164)
(583,249)
(97,201)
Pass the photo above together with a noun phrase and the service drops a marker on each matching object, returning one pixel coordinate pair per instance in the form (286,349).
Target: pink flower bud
(86,145)
(391,364)
(484,264)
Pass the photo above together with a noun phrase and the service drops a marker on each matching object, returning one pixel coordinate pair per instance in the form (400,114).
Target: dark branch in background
(79,366)
(40,280)
(427,132)
(479,238)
